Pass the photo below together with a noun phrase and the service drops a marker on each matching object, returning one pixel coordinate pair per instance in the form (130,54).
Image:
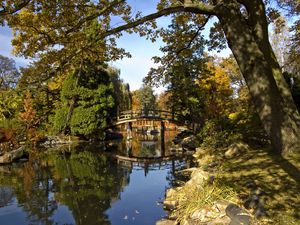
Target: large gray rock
(171,201)
(189,222)
(171,193)
(237,215)
(53,140)
(236,149)
(13,155)
(190,142)
(222,220)
(198,177)
(165,222)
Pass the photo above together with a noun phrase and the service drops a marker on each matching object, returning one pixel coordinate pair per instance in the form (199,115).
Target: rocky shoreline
(21,153)
(220,205)
(14,155)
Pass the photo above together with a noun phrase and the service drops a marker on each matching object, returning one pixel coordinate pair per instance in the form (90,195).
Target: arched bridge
(159,115)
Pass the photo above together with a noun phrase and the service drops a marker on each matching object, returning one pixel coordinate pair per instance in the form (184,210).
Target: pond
(115,183)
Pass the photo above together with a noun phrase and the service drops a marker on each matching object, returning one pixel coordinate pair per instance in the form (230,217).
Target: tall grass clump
(192,198)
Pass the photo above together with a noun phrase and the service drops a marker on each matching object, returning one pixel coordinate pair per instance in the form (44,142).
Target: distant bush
(212,136)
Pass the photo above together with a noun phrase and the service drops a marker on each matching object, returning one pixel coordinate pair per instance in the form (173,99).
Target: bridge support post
(162,136)
(129,130)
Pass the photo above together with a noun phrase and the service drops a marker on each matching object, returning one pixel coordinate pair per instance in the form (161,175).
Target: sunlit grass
(192,198)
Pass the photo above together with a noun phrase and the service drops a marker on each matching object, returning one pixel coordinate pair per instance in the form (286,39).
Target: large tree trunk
(258,22)
(273,104)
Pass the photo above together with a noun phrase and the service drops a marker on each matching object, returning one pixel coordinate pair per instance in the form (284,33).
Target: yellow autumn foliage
(216,91)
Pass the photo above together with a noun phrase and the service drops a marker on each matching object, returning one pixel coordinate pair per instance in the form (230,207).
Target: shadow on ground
(276,176)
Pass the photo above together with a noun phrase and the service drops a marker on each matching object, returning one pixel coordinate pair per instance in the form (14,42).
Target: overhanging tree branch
(95,15)
(16,8)
(195,8)
(199,7)
(194,37)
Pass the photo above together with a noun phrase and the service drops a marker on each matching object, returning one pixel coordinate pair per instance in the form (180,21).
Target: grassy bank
(276,180)
(277,177)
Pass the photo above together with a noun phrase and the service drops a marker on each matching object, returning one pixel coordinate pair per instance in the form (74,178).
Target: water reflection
(6,196)
(85,185)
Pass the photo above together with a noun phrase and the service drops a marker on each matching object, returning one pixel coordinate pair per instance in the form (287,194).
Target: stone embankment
(219,208)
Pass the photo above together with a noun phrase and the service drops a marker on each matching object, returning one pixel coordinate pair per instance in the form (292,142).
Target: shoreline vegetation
(236,185)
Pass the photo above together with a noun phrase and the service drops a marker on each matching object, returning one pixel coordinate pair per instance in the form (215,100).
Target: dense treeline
(57,36)
(81,102)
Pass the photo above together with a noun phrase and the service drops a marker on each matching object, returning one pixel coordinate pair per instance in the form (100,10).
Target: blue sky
(134,69)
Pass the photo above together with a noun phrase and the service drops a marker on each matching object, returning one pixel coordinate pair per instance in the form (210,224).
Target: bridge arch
(149,119)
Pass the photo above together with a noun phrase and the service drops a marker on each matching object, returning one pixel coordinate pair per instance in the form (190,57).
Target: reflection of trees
(148,149)
(31,187)
(6,195)
(174,176)
(85,182)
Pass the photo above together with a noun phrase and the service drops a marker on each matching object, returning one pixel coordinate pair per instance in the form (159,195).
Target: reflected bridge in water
(151,163)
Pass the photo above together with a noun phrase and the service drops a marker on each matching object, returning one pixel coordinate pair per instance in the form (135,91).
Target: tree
(86,101)
(9,98)
(10,7)
(147,98)
(9,74)
(136,102)
(10,102)
(144,99)
(181,65)
(121,92)
(216,92)
(163,101)
(242,23)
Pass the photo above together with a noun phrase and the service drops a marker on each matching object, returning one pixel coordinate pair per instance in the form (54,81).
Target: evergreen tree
(86,101)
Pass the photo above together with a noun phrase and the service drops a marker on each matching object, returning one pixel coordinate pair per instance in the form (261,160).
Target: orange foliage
(7,138)
(29,114)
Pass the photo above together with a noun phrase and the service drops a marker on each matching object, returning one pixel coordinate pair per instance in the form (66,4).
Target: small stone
(222,220)
(212,164)
(251,202)
(170,205)
(189,222)
(237,215)
(170,193)
(190,142)
(165,222)
(220,206)
(236,149)
(199,215)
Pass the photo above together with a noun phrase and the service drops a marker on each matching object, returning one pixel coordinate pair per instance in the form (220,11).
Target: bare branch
(193,38)
(5,11)
(94,16)
(165,12)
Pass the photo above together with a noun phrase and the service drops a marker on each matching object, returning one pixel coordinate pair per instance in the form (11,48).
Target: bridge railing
(154,114)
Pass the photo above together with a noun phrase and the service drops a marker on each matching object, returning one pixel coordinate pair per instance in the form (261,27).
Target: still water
(113,183)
